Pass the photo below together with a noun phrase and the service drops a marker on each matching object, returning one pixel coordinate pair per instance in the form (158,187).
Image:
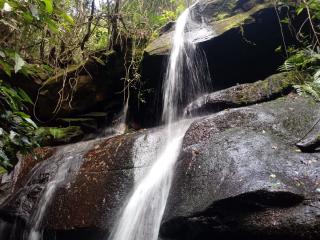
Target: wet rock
(310,142)
(243,94)
(220,17)
(16,179)
(240,175)
(100,176)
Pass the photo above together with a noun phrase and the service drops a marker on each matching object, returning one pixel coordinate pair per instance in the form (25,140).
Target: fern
(287,66)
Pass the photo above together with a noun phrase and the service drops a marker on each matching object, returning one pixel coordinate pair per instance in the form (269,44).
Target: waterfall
(69,162)
(186,77)
(187,73)
(37,217)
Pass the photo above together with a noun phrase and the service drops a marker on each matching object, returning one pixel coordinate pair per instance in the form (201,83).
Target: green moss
(222,16)
(238,19)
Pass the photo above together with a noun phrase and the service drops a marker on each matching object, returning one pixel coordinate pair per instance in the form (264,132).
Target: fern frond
(287,66)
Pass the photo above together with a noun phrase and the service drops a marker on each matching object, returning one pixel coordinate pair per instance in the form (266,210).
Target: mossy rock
(245,94)
(220,17)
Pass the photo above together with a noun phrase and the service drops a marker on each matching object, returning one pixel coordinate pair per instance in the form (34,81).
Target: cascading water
(69,163)
(37,218)
(186,77)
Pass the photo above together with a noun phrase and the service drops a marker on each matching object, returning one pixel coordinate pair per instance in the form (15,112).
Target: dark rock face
(240,175)
(101,174)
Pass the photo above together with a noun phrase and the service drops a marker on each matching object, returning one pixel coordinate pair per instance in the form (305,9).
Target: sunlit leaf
(299,10)
(52,25)
(7,7)
(67,18)
(24,96)
(34,11)
(18,63)
(5,162)
(29,120)
(49,5)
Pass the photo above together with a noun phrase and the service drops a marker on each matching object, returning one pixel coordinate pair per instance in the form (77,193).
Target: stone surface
(101,175)
(243,94)
(239,173)
(220,18)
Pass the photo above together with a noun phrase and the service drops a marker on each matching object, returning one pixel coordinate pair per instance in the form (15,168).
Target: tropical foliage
(17,130)
(305,59)
(37,40)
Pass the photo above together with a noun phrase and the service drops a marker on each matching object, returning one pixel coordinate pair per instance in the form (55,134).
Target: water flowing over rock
(187,75)
(240,174)
(243,157)
(233,173)
(240,47)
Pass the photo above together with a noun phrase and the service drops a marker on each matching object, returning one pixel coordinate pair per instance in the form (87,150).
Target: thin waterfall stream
(186,77)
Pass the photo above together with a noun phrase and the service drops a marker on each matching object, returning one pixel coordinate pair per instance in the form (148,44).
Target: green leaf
(67,18)
(94,114)
(52,25)
(76,119)
(24,96)
(1,4)
(34,11)
(299,10)
(19,63)
(5,67)
(22,114)
(2,170)
(49,5)
(27,17)
(63,134)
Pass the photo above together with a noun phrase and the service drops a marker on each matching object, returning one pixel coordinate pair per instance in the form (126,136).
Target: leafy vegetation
(17,130)
(305,60)
(38,40)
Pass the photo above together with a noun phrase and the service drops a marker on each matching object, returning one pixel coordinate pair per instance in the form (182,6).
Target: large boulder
(100,174)
(219,18)
(239,173)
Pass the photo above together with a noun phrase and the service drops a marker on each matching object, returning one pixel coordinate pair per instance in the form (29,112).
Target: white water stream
(140,218)
(186,77)
(68,162)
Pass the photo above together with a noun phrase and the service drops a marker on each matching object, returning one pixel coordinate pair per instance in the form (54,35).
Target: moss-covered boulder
(244,94)
(220,17)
